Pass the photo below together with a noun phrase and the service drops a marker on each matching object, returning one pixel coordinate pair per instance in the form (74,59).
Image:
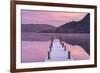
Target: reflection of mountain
(37,28)
(82,26)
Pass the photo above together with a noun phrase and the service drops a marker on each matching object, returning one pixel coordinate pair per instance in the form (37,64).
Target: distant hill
(82,26)
(37,28)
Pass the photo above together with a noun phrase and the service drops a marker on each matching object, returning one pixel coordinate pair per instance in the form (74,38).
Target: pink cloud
(50,17)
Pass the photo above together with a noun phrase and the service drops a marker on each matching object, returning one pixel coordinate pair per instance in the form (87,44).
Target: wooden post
(60,39)
(48,55)
(62,44)
(50,48)
(52,39)
(51,43)
(69,55)
(64,48)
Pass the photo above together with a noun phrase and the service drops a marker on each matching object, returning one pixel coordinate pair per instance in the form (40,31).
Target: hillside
(37,28)
(82,26)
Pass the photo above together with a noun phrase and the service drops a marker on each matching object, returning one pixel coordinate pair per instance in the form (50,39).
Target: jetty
(58,51)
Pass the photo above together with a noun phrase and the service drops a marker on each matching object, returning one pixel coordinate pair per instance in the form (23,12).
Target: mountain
(82,26)
(37,28)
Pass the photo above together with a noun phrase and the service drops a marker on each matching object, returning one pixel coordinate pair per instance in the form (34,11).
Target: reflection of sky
(77,52)
(49,17)
(31,52)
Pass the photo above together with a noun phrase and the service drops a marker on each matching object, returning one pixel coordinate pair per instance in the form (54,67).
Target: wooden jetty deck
(57,52)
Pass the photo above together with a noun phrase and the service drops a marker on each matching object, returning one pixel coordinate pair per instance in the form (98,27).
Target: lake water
(35,46)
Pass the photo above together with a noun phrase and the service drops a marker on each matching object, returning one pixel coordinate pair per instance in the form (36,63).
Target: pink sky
(50,17)
(32,52)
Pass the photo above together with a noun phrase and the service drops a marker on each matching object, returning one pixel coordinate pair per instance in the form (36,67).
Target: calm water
(35,45)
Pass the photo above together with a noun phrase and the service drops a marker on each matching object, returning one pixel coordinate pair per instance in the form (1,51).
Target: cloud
(49,17)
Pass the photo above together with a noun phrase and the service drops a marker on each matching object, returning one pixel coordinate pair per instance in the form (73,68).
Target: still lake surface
(35,46)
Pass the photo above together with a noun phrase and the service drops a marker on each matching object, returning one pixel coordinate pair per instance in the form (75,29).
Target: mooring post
(50,48)
(64,48)
(62,44)
(60,40)
(69,54)
(48,55)
(51,43)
